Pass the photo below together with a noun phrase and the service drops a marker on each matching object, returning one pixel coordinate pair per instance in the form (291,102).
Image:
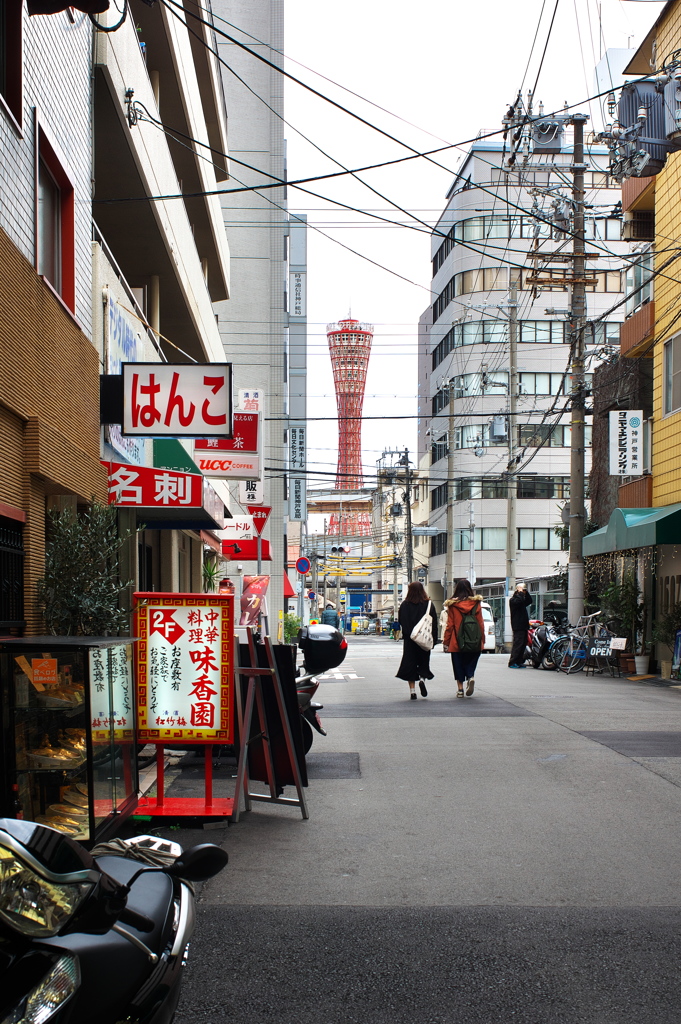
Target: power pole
(577,328)
(410,542)
(471,544)
(512,480)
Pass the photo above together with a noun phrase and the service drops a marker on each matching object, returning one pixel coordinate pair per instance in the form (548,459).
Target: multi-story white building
(492,221)
(254,324)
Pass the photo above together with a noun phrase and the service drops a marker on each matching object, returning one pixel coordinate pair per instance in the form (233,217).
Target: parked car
(490,632)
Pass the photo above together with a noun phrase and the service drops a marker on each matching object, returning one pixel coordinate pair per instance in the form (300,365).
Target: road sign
(260,513)
(303,565)
(425,531)
(311,595)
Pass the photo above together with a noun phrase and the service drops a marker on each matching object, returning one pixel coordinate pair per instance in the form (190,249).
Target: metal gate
(11,577)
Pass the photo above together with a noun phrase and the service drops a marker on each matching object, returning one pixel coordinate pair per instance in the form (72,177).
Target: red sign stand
(185,688)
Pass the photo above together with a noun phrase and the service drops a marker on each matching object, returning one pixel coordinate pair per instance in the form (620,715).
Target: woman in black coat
(415,662)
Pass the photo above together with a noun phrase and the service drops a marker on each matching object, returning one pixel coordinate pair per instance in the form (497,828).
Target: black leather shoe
(422,688)
(413,696)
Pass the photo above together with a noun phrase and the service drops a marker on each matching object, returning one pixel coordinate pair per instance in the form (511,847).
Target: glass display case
(67,720)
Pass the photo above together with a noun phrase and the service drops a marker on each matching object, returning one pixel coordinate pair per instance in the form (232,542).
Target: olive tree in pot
(622,603)
(664,632)
(80,591)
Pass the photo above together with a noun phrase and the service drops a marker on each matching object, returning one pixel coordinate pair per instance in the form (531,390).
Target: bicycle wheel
(574,656)
(557,649)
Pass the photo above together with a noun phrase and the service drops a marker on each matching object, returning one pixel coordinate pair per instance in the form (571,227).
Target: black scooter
(323,647)
(554,626)
(87,937)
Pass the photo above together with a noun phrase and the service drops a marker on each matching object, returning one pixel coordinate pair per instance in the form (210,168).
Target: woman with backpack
(415,664)
(465,635)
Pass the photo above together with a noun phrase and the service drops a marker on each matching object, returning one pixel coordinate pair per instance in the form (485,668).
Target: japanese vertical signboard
(112,706)
(184,668)
(626,442)
(298,293)
(124,345)
(297,461)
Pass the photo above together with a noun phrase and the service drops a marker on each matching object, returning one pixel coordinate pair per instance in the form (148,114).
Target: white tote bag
(422,633)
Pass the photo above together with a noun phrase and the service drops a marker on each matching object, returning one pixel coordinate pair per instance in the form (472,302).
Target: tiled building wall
(56,84)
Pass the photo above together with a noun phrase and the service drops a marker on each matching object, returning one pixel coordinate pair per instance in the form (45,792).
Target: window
(543,332)
(55,225)
(540,383)
(537,435)
(440,401)
(492,382)
(466,488)
(438,497)
(543,487)
(672,375)
(439,449)
(438,544)
(11,92)
(487,538)
(638,285)
(472,435)
(538,539)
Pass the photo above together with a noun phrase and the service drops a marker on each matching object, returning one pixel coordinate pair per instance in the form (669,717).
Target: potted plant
(664,632)
(622,604)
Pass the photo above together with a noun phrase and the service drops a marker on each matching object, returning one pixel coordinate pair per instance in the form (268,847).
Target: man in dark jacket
(520,622)
(330,616)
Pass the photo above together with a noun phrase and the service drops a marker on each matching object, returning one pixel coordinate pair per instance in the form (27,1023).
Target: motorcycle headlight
(32,904)
(46,998)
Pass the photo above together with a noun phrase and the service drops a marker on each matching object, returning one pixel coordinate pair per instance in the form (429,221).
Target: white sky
(451,69)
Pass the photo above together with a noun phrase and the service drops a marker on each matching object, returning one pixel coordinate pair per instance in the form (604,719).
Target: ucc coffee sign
(236,457)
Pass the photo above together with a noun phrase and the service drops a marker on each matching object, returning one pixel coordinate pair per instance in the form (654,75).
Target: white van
(490,633)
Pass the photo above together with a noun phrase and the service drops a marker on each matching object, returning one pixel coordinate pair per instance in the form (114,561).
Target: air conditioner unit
(638,226)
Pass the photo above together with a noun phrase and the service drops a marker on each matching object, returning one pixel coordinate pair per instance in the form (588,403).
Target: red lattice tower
(350,348)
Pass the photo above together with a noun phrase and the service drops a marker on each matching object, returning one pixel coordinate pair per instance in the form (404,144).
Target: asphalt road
(514,856)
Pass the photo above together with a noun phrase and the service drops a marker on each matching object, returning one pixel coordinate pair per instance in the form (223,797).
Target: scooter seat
(151,895)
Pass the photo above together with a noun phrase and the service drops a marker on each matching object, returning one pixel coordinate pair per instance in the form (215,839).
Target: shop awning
(288,587)
(630,528)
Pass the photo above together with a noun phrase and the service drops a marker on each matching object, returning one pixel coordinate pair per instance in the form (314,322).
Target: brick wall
(49,408)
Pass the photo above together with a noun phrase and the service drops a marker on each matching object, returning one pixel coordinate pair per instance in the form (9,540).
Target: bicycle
(569,653)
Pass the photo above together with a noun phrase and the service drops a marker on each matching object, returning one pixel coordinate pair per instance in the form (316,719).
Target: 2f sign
(177,400)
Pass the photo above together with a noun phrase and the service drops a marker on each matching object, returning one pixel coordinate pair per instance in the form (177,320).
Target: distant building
(493,222)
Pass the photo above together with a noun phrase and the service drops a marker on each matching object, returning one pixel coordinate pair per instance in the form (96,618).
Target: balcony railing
(637,493)
(637,332)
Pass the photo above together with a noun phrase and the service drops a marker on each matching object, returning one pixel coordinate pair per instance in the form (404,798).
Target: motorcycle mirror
(198,863)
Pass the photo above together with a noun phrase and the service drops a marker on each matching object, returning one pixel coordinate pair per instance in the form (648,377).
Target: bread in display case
(68,730)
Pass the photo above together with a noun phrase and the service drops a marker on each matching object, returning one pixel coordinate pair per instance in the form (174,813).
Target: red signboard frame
(224,733)
(186,806)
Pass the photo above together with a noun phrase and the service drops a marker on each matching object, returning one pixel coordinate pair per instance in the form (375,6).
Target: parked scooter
(323,647)
(552,628)
(102,936)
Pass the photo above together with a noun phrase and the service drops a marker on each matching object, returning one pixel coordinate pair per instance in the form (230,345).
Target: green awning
(635,528)
(170,454)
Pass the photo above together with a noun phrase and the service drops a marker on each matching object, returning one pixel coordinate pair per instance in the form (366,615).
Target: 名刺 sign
(177,399)
(260,513)
(145,487)
(184,667)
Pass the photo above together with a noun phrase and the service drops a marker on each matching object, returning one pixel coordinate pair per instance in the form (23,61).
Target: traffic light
(341,550)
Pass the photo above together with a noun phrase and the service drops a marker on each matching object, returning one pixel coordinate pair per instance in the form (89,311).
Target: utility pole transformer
(577,330)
